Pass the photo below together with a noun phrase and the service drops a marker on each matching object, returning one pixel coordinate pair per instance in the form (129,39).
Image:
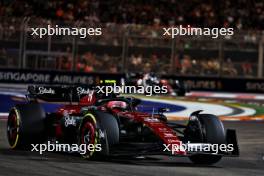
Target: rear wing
(60,93)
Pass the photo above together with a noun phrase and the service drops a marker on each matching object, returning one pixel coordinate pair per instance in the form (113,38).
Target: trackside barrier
(14,76)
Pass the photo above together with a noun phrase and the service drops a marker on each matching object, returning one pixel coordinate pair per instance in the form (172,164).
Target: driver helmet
(117,104)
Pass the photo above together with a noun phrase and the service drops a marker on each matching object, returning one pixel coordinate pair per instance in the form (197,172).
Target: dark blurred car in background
(174,87)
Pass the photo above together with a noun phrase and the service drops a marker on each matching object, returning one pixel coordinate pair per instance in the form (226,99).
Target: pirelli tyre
(26,126)
(100,131)
(213,132)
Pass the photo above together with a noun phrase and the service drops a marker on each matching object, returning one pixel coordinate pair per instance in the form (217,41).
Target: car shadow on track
(154,161)
(76,158)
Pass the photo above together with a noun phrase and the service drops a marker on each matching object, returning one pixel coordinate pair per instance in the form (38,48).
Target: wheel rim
(88,136)
(12,129)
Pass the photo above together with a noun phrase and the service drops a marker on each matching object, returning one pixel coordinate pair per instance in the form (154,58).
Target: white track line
(219,110)
(243,96)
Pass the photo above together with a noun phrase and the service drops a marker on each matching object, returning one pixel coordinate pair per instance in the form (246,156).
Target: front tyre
(99,130)
(212,132)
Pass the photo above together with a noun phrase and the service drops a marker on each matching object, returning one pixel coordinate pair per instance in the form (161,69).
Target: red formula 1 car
(115,124)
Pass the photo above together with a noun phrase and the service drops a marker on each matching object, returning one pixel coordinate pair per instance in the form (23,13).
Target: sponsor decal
(70,121)
(43,90)
(173,140)
(163,129)
(168,135)
(151,120)
(101,134)
(81,91)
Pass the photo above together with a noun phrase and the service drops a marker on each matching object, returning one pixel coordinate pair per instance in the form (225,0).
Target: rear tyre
(25,126)
(213,133)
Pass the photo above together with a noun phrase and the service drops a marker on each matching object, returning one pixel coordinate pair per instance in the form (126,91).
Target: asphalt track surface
(251,161)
